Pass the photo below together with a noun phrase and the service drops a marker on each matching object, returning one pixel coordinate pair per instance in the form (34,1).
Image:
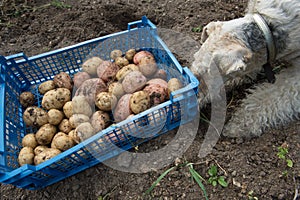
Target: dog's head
(236,47)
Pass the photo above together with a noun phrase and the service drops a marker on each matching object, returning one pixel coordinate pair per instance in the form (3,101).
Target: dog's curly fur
(238,48)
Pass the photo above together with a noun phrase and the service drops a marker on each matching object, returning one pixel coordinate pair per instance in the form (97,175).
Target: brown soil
(248,165)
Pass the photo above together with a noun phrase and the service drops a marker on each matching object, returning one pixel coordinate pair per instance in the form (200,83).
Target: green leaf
(222,181)
(214,183)
(213,170)
(198,180)
(159,179)
(289,163)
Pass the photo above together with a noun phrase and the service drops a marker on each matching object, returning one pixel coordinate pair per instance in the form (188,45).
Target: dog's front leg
(267,106)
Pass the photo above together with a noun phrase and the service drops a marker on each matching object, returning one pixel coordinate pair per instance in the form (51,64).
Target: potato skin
(90,66)
(100,120)
(45,134)
(107,71)
(81,106)
(46,86)
(121,61)
(35,116)
(68,109)
(125,70)
(161,73)
(115,54)
(29,140)
(157,93)
(134,81)
(26,99)
(116,89)
(148,66)
(130,54)
(139,55)
(122,110)
(55,116)
(173,85)
(39,149)
(106,101)
(83,132)
(139,102)
(62,141)
(63,80)
(80,77)
(26,156)
(65,126)
(77,119)
(56,98)
(46,155)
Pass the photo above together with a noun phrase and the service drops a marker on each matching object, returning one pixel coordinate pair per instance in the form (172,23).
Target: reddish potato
(148,66)
(63,80)
(80,77)
(134,81)
(122,110)
(107,71)
(138,56)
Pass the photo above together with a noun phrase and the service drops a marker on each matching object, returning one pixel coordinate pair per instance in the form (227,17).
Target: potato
(125,70)
(134,81)
(122,109)
(107,71)
(35,116)
(45,134)
(81,106)
(121,61)
(157,94)
(173,85)
(90,88)
(116,89)
(72,135)
(77,119)
(161,73)
(138,56)
(139,102)
(26,99)
(39,149)
(115,54)
(55,116)
(83,132)
(65,126)
(26,156)
(106,101)
(68,109)
(158,81)
(148,66)
(90,66)
(62,141)
(46,86)
(56,99)
(79,78)
(100,120)
(29,141)
(130,54)
(63,80)
(46,155)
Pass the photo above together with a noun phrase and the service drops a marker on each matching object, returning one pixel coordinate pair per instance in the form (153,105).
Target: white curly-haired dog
(270,30)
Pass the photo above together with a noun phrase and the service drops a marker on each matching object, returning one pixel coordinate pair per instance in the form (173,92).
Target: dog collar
(263,26)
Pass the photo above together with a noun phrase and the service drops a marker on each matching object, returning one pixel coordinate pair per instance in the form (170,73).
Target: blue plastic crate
(19,73)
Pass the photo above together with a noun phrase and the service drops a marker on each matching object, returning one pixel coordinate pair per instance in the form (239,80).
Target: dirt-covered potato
(134,81)
(107,71)
(29,141)
(77,119)
(46,155)
(72,135)
(65,126)
(158,81)
(173,85)
(55,116)
(68,109)
(90,88)
(26,99)
(26,156)
(45,134)
(125,70)
(81,106)
(56,99)
(63,80)
(121,61)
(130,54)
(161,73)
(106,101)
(116,89)
(115,54)
(62,141)
(46,86)
(100,120)
(122,109)
(157,93)
(80,77)
(83,132)
(35,116)
(148,66)
(139,55)
(139,102)
(39,149)
(90,66)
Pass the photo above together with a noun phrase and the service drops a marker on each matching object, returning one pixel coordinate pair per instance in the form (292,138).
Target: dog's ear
(208,29)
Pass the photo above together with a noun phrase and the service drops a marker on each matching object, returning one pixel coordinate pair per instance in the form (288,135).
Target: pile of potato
(105,92)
